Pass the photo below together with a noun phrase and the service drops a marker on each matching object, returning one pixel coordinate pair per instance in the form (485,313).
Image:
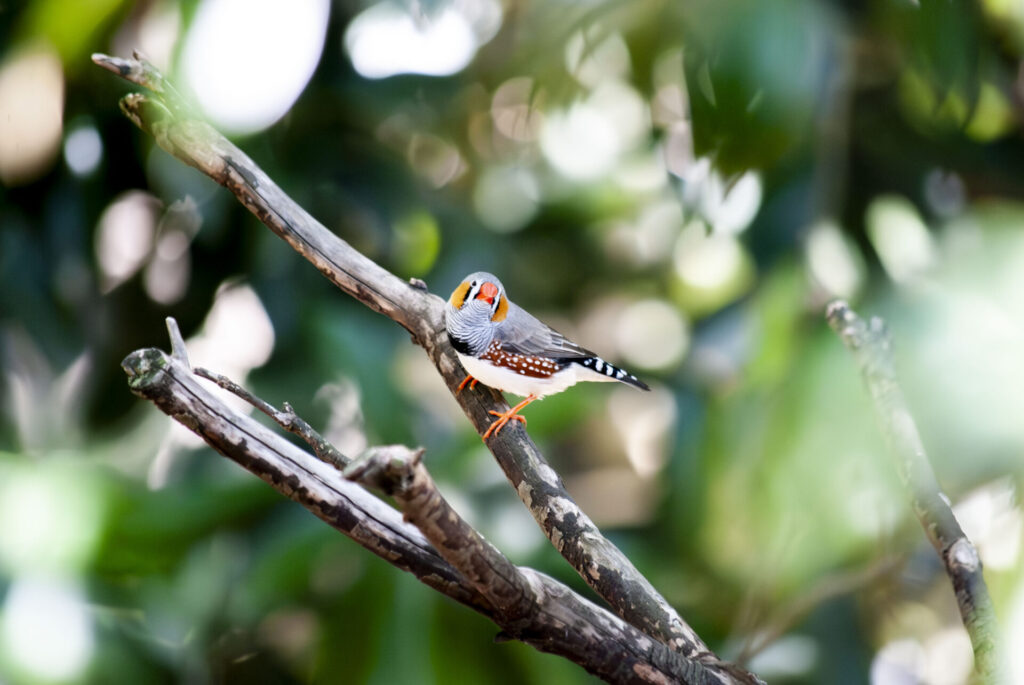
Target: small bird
(503,346)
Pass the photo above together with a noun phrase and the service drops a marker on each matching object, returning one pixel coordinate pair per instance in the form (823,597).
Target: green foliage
(756,72)
(728,165)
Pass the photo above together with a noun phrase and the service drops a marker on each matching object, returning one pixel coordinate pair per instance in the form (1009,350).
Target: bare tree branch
(170,384)
(520,596)
(871,347)
(527,605)
(602,565)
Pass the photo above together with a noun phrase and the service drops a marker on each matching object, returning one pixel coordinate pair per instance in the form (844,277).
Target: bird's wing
(523,333)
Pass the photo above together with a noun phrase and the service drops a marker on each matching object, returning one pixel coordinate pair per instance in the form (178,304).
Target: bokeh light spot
(155,31)
(791,656)
(994,523)
(652,334)
(726,207)
(707,262)
(904,245)
(31,113)
(513,109)
(834,261)
(170,268)
(626,109)
(387,39)
(50,519)
(649,238)
(712,269)
(83,150)
(506,198)
(737,205)
(47,630)
(581,143)
(435,159)
(944,192)
(596,55)
(643,422)
(237,335)
(239,81)
(167,274)
(125,237)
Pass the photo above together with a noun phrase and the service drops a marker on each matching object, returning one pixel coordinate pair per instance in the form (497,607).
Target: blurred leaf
(151,531)
(755,72)
(945,37)
(417,243)
(70,25)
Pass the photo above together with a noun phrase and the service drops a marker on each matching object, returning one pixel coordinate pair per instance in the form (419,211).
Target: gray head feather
(471,324)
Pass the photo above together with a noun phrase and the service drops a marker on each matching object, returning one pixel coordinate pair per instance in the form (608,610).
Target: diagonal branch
(527,605)
(870,345)
(602,565)
(522,597)
(173,388)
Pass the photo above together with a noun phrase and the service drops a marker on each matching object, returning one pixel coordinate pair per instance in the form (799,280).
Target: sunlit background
(679,185)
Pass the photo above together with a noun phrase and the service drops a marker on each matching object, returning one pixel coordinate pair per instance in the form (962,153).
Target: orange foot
(512,413)
(465,380)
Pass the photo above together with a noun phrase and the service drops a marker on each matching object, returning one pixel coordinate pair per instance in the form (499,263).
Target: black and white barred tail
(613,372)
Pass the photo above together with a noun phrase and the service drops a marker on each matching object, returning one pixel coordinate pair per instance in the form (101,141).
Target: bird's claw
(502,419)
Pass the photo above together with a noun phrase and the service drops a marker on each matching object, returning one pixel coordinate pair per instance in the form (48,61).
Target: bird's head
(480,295)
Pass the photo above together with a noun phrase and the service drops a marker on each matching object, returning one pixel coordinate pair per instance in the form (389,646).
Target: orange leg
(465,380)
(512,413)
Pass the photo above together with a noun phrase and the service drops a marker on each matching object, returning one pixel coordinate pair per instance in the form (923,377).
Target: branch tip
(178,350)
(836,310)
(114,65)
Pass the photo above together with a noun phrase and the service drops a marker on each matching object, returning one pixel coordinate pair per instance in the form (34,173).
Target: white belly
(507,380)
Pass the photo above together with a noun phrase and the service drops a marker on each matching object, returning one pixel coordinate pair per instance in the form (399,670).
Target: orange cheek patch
(458,297)
(502,311)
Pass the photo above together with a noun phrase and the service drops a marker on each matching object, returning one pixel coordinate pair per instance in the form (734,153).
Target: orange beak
(488,291)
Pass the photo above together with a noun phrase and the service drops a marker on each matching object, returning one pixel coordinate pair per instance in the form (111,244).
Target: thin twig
(178,349)
(286,418)
(870,344)
(830,587)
